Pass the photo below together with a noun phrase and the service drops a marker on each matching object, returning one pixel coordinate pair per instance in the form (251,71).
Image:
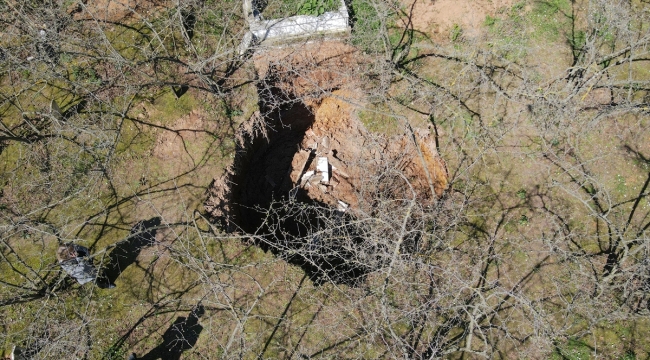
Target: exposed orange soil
(279,153)
(357,157)
(307,69)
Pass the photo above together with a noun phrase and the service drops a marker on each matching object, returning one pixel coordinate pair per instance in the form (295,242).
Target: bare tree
(537,246)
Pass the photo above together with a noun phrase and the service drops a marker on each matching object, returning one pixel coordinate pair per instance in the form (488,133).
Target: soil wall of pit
(276,191)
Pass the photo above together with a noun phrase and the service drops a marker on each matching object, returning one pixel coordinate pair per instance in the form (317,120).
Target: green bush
(317,7)
(366,25)
(284,8)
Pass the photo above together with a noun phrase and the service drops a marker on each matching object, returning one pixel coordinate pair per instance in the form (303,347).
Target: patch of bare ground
(184,135)
(181,152)
(113,10)
(324,126)
(308,69)
(438,17)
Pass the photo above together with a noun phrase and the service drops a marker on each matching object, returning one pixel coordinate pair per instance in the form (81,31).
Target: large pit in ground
(306,170)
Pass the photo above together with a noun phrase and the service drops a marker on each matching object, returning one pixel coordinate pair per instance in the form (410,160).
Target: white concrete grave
(292,28)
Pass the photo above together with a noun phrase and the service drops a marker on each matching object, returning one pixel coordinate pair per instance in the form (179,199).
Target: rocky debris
(359,163)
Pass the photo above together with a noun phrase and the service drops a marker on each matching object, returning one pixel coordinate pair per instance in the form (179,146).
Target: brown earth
(356,156)
(114,10)
(279,150)
(172,145)
(306,70)
(438,17)
(278,160)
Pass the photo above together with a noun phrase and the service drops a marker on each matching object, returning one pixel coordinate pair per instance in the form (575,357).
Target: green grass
(134,140)
(366,24)
(378,122)
(550,19)
(621,184)
(490,21)
(172,108)
(284,8)
(521,194)
(455,33)
(513,31)
(317,7)
(572,350)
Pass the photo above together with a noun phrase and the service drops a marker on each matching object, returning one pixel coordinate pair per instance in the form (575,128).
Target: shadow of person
(142,235)
(180,336)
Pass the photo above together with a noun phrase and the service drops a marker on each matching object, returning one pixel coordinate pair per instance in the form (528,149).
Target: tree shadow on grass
(180,336)
(142,235)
